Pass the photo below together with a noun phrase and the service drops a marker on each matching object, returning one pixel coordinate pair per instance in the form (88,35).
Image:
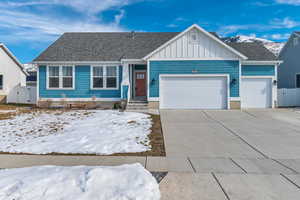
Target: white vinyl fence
(22,95)
(288,97)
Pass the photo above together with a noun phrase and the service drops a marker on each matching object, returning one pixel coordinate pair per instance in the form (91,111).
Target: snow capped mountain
(274,47)
(30,67)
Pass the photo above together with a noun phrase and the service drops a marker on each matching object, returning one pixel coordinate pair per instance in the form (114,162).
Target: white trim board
(205,33)
(80,99)
(252,62)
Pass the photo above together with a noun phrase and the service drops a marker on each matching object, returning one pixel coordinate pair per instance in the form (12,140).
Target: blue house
(193,69)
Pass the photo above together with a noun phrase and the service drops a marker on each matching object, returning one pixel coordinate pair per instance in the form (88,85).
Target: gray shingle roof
(253,51)
(104,46)
(113,46)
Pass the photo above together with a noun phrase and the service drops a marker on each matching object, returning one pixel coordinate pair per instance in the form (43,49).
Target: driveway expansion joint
(235,134)
(222,188)
(238,165)
(289,180)
(280,163)
(188,158)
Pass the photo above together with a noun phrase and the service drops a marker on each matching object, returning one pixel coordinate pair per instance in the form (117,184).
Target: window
(111,77)
(194,37)
(98,80)
(1,82)
(296,40)
(53,77)
(67,77)
(104,77)
(60,77)
(297,80)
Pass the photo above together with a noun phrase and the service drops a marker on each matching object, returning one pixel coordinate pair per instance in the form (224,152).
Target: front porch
(135,85)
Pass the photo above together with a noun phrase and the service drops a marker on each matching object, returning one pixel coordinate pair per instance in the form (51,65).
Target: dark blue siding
(258,70)
(82,86)
(194,67)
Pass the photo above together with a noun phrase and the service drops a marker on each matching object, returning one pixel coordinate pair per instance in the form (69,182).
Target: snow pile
(78,183)
(87,132)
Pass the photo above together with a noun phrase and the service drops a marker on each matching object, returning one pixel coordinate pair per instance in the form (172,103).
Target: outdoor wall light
(152,81)
(275,82)
(233,81)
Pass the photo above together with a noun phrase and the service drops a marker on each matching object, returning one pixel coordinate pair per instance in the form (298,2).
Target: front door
(140,84)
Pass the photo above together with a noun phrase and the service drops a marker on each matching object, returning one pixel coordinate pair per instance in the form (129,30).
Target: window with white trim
(105,77)
(1,82)
(296,41)
(60,77)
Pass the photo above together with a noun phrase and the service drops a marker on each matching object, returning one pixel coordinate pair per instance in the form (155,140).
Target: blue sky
(27,27)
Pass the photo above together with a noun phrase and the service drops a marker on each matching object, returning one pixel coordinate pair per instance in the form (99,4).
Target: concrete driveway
(242,155)
(232,134)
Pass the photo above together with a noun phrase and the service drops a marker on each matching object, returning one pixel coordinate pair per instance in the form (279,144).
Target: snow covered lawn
(78,132)
(125,182)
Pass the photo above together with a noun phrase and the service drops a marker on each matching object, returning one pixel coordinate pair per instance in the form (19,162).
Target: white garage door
(256,93)
(193,92)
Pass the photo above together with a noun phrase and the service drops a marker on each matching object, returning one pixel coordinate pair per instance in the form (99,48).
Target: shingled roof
(104,46)
(254,51)
(114,46)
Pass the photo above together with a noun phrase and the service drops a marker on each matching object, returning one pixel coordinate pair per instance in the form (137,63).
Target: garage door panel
(256,92)
(193,92)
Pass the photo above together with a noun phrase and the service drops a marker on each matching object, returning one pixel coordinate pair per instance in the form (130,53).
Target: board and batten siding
(193,67)
(205,47)
(258,70)
(82,86)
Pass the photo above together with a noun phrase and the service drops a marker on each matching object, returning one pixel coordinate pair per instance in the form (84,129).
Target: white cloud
(290,2)
(277,36)
(284,23)
(19,24)
(84,6)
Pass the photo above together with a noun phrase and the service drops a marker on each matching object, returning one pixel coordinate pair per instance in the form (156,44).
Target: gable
(8,57)
(194,43)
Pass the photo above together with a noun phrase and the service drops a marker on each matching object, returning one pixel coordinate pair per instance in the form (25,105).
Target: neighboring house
(289,70)
(192,69)
(12,74)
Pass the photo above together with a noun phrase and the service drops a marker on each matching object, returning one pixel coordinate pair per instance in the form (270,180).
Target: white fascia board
(76,62)
(133,61)
(253,62)
(201,30)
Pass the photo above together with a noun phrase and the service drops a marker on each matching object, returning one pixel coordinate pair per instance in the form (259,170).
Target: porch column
(125,82)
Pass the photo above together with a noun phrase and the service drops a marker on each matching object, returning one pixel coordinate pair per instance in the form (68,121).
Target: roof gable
(13,58)
(204,45)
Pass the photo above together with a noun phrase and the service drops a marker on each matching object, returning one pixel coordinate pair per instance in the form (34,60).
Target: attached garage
(256,92)
(193,92)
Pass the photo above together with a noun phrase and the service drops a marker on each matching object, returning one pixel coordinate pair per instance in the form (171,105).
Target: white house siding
(12,74)
(205,47)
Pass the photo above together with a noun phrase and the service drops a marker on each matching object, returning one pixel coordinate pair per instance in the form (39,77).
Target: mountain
(274,47)
(30,67)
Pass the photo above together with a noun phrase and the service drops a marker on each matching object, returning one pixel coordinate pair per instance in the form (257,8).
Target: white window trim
(60,77)
(104,77)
